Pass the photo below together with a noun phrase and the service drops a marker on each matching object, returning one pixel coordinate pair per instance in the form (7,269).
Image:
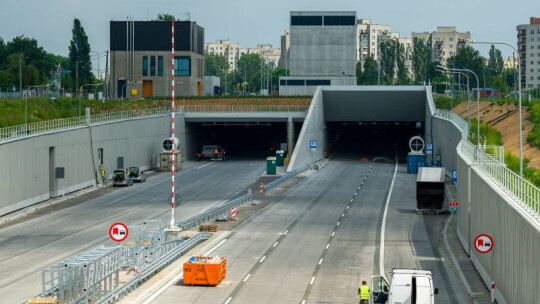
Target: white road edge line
(247,277)
(383,226)
(312,280)
(228,300)
(264,257)
(205,165)
(215,247)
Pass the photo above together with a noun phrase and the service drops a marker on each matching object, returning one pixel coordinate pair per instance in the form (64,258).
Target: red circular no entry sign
(118,232)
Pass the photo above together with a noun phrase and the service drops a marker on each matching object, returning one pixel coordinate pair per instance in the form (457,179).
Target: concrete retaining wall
(314,128)
(29,164)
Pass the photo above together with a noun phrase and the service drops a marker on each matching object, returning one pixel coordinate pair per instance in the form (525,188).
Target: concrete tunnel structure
(407,109)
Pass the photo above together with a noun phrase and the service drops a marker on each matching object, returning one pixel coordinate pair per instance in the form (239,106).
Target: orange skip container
(204,270)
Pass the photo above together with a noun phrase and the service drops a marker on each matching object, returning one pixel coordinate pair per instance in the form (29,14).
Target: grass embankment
(42,109)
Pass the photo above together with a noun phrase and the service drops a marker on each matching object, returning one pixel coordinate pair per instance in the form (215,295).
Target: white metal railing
(525,193)
(16,132)
(243,108)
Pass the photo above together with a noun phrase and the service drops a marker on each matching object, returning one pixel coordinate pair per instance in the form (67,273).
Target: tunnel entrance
(241,140)
(356,140)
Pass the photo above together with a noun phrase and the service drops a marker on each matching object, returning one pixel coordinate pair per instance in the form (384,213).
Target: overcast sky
(250,22)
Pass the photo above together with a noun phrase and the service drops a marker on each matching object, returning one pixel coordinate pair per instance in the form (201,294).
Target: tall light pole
(454,71)
(477,96)
(20,77)
(519,98)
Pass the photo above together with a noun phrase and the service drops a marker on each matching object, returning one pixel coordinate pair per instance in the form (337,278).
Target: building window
(306,20)
(182,66)
(153,66)
(451,46)
(451,39)
(160,65)
(532,31)
(145,66)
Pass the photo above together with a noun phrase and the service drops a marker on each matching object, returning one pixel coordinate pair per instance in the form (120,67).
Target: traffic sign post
(483,243)
(453,206)
(429,148)
(118,232)
(313,145)
(454,175)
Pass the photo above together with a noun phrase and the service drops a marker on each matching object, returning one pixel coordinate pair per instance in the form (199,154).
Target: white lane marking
(264,257)
(303,301)
(312,280)
(327,245)
(356,193)
(383,226)
(343,214)
(228,300)
(347,206)
(215,247)
(337,223)
(320,261)
(285,231)
(275,244)
(205,165)
(352,200)
(333,233)
(247,277)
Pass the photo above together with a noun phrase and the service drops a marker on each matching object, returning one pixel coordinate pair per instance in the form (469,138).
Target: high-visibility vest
(364,292)
(102,172)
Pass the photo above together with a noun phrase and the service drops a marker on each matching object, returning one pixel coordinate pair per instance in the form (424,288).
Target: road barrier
(243,108)
(213,213)
(282,179)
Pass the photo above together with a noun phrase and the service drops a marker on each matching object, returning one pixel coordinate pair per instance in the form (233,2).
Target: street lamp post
(453,71)
(519,98)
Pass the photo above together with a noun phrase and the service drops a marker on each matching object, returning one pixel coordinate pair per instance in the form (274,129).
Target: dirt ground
(504,118)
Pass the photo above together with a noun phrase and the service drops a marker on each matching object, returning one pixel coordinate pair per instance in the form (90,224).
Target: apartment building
(444,43)
(529,53)
(234,51)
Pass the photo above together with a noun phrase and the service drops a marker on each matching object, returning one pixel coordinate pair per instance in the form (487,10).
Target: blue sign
(429,148)
(454,175)
(313,144)
(418,125)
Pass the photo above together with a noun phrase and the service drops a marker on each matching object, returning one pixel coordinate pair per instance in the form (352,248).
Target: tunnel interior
(243,140)
(356,140)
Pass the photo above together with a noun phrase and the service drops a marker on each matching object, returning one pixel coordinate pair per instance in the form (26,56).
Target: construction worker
(103,176)
(127,172)
(363,292)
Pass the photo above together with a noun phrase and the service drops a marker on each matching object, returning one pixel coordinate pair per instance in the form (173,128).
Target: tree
(31,53)
(358,73)
(421,60)
(249,68)
(369,75)
(403,73)
(470,59)
(495,62)
(388,52)
(79,54)
(215,65)
(165,17)
(278,72)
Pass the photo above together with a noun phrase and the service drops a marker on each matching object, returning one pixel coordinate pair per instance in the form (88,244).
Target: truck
(213,152)
(430,189)
(407,286)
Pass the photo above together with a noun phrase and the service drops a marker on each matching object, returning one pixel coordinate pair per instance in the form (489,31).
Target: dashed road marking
(312,280)
(275,244)
(320,261)
(327,245)
(228,300)
(247,277)
(264,257)
(333,233)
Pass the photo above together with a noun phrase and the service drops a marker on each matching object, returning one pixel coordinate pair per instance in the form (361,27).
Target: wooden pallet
(209,228)
(44,300)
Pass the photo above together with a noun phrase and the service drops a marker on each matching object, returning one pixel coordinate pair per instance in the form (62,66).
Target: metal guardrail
(20,131)
(156,266)
(283,179)
(213,213)
(243,108)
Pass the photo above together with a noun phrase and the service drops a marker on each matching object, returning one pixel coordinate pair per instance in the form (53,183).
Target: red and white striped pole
(172,127)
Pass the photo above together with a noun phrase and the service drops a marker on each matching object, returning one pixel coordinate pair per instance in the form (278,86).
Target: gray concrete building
(141,58)
(322,51)
(444,42)
(529,52)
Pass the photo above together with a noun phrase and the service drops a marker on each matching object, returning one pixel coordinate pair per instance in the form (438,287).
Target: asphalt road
(36,242)
(318,240)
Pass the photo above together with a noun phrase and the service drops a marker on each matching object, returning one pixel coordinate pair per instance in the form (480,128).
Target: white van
(408,286)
